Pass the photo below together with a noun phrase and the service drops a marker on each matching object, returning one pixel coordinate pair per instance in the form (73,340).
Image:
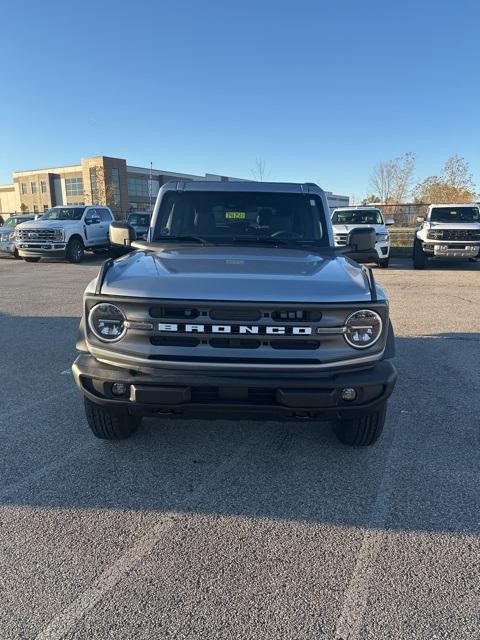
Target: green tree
(23,208)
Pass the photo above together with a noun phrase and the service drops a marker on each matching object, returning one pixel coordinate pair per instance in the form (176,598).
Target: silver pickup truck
(237,305)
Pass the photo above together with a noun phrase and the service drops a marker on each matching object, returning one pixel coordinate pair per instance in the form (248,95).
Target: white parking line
(350,622)
(66,620)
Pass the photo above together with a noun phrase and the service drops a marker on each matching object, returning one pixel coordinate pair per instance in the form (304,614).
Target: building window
(45,207)
(43,186)
(23,188)
(116,186)
(35,208)
(74,186)
(138,187)
(33,187)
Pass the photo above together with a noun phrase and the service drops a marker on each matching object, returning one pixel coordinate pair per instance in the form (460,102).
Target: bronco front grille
(36,235)
(212,333)
(464,235)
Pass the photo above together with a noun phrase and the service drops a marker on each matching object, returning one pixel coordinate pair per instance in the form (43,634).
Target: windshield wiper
(182,239)
(290,243)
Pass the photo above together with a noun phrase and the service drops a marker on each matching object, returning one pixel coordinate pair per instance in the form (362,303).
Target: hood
(47,224)
(237,274)
(346,228)
(468,226)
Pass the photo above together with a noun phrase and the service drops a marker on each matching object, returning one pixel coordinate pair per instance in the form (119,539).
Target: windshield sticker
(235,215)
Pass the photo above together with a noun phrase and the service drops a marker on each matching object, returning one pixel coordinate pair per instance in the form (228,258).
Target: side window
(91,213)
(105,215)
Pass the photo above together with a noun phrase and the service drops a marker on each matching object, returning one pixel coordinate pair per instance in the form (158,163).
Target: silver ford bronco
(237,305)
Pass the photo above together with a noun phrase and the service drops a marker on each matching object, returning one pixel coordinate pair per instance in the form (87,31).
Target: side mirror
(362,240)
(122,235)
(389,222)
(420,219)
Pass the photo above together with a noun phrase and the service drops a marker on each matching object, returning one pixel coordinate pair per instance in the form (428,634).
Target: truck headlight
(382,237)
(107,322)
(58,234)
(11,236)
(435,235)
(363,328)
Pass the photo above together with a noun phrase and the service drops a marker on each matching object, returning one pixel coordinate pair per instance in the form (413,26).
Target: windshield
(455,214)
(363,216)
(64,213)
(225,217)
(12,221)
(139,219)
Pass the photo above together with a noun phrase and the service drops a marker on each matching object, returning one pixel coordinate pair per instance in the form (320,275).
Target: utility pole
(150,188)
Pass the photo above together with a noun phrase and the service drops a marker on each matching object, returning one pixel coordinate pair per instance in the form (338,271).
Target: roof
(260,187)
(353,208)
(455,204)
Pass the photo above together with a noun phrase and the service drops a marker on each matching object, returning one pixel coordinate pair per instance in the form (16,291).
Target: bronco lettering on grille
(235,329)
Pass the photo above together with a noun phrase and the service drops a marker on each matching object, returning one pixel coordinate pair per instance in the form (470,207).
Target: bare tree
(392,179)
(102,190)
(260,170)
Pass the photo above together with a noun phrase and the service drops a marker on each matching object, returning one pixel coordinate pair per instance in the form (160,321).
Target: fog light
(119,388)
(349,394)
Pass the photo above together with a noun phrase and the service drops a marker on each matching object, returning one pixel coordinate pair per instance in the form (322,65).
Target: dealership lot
(248,529)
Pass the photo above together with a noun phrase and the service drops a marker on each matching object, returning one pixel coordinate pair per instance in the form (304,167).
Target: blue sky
(320,90)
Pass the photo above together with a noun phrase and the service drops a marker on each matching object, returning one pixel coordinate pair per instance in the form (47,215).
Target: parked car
(237,305)
(344,220)
(7,234)
(65,232)
(140,221)
(450,231)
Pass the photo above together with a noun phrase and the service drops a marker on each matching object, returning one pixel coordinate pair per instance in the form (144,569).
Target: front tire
(31,259)
(362,431)
(75,251)
(110,423)
(16,254)
(383,263)
(419,257)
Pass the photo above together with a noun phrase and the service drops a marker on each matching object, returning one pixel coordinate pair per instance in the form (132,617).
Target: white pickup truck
(345,220)
(448,231)
(64,232)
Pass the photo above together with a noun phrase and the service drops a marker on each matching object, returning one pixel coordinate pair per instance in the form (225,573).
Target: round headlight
(363,328)
(107,322)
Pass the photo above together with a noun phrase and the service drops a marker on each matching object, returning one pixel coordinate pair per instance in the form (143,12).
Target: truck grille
(341,239)
(465,235)
(234,317)
(36,235)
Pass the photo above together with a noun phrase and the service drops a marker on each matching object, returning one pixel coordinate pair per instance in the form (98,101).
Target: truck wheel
(16,254)
(31,259)
(75,251)
(419,257)
(110,423)
(364,430)
(383,263)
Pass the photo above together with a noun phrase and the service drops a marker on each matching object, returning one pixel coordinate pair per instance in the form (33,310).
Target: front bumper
(439,249)
(235,394)
(41,249)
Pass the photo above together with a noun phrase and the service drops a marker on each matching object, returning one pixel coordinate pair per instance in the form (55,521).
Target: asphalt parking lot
(241,529)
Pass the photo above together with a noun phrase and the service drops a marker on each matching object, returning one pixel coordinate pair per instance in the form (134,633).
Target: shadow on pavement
(426,462)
